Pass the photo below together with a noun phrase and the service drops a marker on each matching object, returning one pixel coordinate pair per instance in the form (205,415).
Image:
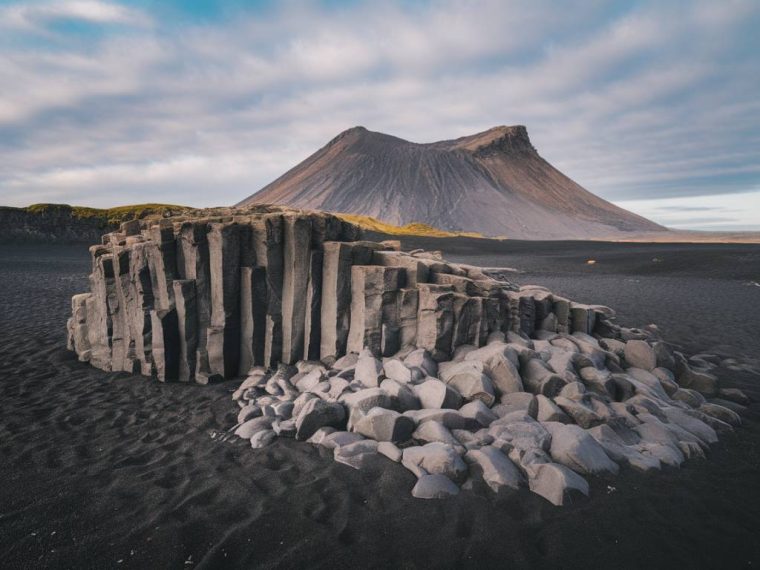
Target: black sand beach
(106,470)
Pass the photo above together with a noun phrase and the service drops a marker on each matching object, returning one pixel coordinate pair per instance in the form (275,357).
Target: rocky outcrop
(493,182)
(548,430)
(370,351)
(61,223)
(208,296)
(58,225)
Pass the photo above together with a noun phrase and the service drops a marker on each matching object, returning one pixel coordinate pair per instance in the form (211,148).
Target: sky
(654,106)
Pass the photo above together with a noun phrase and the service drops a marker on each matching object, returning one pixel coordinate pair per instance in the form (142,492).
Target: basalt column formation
(207,296)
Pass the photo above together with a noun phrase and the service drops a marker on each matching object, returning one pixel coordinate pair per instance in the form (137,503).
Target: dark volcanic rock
(492,182)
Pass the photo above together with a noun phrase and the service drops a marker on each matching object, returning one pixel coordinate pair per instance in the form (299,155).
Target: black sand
(105,470)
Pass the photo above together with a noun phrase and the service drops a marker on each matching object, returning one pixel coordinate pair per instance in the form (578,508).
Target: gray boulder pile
(542,413)
(448,369)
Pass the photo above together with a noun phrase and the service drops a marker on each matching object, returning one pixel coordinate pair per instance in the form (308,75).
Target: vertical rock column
(295,285)
(122,346)
(99,327)
(435,319)
(527,312)
(267,235)
(162,259)
(77,326)
(408,307)
(139,305)
(224,332)
(166,348)
(338,258)
(373,296)
(187,328)
(313,325)
(162,256)
(193,266)
(118,327)
(561,310)
(468,313)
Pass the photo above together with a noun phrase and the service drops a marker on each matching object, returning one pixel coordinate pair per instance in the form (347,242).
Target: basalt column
(296,267)
(193,262)
(338,259)
(224,332)
(211,296)
(267,234)
(374,291)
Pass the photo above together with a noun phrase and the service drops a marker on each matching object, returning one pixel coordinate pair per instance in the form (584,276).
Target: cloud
(653,101)
(37,17)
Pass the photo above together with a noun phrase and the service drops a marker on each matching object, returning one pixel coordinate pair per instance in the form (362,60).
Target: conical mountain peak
(493,182)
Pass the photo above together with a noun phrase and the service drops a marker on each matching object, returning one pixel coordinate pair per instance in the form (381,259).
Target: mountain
(492,182)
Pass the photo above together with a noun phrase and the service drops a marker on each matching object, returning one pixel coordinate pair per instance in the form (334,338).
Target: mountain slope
(492,182)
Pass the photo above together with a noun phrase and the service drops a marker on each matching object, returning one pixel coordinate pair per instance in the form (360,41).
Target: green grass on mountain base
(108,215)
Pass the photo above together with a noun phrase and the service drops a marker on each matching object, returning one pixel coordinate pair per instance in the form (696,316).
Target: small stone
(478,411)
(734,395)
(365,400)
(340,438)
(452,419)
(262,438)
(428,432)
(618,451)
(248,413)
(575,448)
(396,370)
(390,450)
(309,379)
(689,397)
(557,484)
(540,379)
(402,393)
(434,486)
(284,428)
(500,364)
(667,379)
(722,413)
(318,413)
(435,458)
(664,355)
(385,425)
(524,435)
(548,411)
(473,386)
(368,369)
(347,361)
(653,386)
(435,394)
(498,470)
(320,435)
(423,360)
(337,387)
(599,381)
(356,454)
(639,354)
(517,402)
(249,428)
(283,410)
(582,414)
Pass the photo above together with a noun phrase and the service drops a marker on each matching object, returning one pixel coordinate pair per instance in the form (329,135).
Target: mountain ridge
(493,182)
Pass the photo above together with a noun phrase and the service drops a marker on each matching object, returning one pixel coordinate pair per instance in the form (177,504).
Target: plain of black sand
(102,470)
